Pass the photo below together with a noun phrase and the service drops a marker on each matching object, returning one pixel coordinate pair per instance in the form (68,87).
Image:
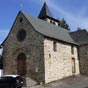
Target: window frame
(54,46)
(19,35)
(72,49)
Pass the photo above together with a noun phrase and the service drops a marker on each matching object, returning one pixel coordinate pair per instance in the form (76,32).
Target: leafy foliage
(64,24)
(1,62)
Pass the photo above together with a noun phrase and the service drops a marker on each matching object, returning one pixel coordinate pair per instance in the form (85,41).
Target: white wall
(1,50)
(1,72)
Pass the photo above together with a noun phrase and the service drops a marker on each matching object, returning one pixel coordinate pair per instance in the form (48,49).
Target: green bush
(1,62)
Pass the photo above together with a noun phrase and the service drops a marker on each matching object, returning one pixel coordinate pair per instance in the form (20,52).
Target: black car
(11,81)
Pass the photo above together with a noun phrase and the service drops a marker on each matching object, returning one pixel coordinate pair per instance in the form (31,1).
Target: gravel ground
(70,82)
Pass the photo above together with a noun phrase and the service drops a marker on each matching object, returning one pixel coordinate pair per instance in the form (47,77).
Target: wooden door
(21,64)
(73,66)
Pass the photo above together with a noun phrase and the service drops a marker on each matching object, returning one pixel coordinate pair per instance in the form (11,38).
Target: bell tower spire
(45,12)
(46,15)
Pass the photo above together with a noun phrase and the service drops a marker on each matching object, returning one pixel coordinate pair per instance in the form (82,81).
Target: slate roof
(49,30)
(80,37)
(45,12)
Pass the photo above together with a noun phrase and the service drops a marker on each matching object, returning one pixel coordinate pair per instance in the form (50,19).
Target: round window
(21,35)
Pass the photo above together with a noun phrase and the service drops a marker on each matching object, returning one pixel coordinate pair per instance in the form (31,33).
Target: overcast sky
(74,11)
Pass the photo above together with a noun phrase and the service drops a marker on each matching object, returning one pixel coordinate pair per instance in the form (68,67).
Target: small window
(20,19)
(58,24)
(54,46)
(49,55)
(21,35)
(54,23)
(51,21)
(72,49)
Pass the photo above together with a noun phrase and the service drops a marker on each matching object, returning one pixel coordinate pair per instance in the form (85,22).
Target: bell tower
(45,12)
(46,15)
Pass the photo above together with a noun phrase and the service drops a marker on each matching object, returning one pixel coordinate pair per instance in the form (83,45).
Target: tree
(78,29)
(1,62)
(64,24)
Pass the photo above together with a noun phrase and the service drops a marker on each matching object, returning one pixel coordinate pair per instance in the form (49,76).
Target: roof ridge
(78,31)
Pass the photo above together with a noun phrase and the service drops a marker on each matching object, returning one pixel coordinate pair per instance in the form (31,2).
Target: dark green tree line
(63,24)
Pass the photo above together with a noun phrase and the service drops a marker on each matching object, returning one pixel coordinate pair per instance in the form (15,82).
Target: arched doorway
(73,66)
(21,64)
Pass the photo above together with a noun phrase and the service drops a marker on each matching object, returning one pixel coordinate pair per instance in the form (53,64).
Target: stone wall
(58,64)
(32,46)
(43,64)
(83,54)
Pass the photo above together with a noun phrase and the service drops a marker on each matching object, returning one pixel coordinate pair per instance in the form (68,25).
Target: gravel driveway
(79,81)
